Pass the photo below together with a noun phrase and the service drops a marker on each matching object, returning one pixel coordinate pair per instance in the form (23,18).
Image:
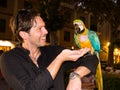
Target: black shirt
(22,74)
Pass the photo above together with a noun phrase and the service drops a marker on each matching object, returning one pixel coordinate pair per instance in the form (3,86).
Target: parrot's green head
(79,26)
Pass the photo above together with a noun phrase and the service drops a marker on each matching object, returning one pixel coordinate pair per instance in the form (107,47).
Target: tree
(50,12)
(104,10)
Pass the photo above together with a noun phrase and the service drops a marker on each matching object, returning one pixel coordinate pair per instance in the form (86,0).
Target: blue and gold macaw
(88,38)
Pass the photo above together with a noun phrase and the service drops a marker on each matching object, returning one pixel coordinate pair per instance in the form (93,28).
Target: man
(34,66)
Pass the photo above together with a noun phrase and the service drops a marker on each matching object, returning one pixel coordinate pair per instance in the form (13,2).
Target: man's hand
(72,55)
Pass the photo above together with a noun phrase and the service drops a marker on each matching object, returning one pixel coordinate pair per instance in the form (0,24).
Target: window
(3,3)
(2,25)
(67,36)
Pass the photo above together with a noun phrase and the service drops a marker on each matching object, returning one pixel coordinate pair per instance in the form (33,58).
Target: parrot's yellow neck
(85,32)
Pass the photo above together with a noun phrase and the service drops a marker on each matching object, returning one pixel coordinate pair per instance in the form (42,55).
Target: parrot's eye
(76,27)
(78,30)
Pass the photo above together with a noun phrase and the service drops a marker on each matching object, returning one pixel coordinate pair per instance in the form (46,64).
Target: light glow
(6,43)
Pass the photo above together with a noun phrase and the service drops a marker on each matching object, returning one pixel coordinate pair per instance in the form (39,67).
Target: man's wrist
(73,75)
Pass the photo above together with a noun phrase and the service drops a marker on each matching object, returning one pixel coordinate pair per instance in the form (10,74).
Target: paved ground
(3,85)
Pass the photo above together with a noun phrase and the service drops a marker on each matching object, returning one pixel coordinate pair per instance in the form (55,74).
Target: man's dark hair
(23,21)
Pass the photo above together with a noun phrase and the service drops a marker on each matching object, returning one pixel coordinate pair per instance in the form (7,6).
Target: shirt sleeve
(89,62)
(20,77)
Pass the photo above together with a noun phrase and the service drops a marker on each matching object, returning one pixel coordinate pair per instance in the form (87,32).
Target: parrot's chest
(83,40)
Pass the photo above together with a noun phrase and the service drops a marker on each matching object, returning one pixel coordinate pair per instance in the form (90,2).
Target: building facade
(7,9)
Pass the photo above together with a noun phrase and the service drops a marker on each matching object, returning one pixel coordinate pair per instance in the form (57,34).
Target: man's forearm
(82,71)
(89,65)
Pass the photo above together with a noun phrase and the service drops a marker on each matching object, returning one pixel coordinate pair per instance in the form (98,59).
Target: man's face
(38,33)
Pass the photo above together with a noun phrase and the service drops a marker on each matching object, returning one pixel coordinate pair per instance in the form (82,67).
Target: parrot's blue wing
(96,45)
(94,40)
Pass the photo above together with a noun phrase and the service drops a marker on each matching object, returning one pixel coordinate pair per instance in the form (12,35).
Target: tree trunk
(111,48)
(110,55)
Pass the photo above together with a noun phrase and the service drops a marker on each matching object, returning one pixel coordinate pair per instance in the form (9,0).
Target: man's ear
(23,34)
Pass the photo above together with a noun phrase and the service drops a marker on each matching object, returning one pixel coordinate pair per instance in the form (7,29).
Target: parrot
(84,37)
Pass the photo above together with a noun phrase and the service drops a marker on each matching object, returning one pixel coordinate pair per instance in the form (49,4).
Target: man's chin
(43,44)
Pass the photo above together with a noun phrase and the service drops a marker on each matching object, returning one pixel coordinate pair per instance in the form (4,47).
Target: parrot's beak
(77,29)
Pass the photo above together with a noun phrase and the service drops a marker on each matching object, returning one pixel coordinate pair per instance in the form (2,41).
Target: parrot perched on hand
(88,38)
